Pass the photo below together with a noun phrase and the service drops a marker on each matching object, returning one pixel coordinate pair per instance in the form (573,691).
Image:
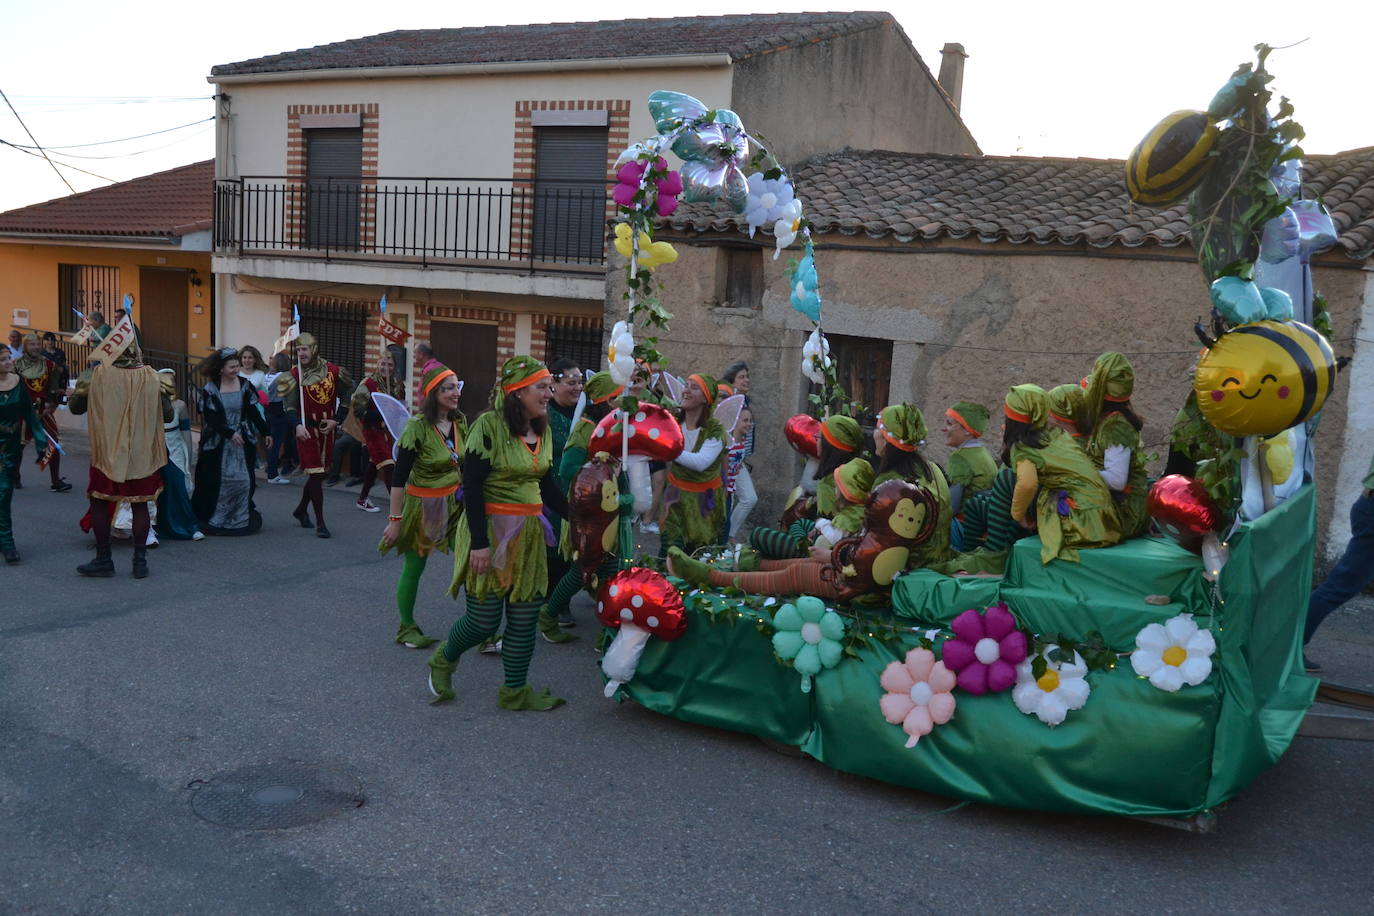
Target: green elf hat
(902,426)
(433,378)
(517,372)
(842,432)
(854,479)
(1067,403)
(600,388)
(1027,404)
(1112,380)
(708,385)
(972,417)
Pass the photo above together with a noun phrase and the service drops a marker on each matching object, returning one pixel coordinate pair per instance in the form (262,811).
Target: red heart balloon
(803,433)
(644,598)
(1182,509)
(654,433)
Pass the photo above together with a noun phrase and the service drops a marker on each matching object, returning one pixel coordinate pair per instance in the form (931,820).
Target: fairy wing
(394,415)
(674,386)
(577,411)
(728,411)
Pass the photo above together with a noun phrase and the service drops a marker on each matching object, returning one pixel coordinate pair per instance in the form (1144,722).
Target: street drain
(275,795)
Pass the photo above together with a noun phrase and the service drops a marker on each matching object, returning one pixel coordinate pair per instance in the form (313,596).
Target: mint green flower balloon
(809,636)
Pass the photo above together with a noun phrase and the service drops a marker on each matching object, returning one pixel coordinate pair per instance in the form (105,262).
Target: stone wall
(966,321)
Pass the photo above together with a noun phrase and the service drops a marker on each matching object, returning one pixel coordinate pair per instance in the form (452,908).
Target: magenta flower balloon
(985,650)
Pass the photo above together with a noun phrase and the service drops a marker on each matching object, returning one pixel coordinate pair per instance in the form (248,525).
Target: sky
(1070,79)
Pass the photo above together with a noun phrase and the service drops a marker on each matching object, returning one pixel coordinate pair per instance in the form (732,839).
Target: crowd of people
(494,493)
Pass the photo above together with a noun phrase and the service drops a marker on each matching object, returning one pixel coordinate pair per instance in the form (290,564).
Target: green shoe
(441,675)
(522,698)
(694,572)
(410,636)
(548,628)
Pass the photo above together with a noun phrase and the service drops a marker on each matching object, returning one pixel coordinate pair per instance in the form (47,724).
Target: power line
(151,149)
(20,149)
(167,130)
(35,141)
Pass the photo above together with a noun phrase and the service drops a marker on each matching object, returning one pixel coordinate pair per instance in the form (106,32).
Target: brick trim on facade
(295,169)
(618,137)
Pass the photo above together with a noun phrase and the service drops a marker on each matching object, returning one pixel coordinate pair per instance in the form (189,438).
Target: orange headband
(954,415)
(701,383)
(1013,415)
(1108,397)
(839,485)
(525,383)
(434,382)
(1060,419)
(602,400)
(897,443)
(825,431)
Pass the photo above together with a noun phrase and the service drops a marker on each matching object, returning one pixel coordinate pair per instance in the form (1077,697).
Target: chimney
(952,71)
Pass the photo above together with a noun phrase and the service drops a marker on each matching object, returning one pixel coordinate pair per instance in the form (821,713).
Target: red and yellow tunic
(325,385)
(39,375)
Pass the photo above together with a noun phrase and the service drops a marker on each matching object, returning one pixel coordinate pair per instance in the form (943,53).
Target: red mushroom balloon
(803,433)
(642,603)
(654,433)
(1183,510)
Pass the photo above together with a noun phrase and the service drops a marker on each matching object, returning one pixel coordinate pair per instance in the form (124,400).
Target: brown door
(470,351)
(160,312)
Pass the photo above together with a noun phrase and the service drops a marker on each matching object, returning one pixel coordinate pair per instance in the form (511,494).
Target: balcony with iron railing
(529,226)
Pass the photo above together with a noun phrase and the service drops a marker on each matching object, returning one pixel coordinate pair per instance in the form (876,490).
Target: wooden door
(161,310)
(469,350)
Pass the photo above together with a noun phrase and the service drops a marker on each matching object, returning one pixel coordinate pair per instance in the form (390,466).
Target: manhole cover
(275,795)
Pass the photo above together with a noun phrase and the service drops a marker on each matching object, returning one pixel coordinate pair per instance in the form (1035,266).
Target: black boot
(11,554)
(141,562)
(102,566)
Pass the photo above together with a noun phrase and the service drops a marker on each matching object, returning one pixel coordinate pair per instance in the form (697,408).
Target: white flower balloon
(769,201)
(1049,698)
(620,353)
(786,228)
(815,356)
(1174,653)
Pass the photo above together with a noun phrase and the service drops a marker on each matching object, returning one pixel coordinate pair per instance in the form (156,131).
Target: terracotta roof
(166,204)
(738,36)
(1021,199)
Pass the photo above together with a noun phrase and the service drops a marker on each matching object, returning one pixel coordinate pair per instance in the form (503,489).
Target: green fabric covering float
(1131,749)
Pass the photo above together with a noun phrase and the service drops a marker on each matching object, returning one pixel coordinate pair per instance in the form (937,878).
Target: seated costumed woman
(600,390)
(1072,506)
(1114,440)
(231,424)
(841,440)
(499,556)
(797,576)
(1068,411)
(426,481)
(695,495)
(897,441)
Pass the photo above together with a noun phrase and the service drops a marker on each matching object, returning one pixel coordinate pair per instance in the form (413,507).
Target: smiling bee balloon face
(1260,379)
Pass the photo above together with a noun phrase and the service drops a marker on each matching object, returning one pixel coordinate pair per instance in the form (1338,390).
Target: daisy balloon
(620,353)
(1049,698)
(1174,653)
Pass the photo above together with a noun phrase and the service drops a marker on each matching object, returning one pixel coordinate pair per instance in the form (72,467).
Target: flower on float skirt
(918,694)
(1174,653)
(1049,698)
(808,635)
(985,650)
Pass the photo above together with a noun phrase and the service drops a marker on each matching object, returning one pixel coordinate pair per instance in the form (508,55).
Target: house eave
(658,62)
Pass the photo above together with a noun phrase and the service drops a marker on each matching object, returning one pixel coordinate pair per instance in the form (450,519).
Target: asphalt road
(118,696)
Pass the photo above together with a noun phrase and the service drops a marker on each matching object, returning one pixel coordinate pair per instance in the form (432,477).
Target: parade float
(1157,677)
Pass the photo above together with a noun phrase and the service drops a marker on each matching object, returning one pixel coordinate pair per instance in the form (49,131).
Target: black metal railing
(183,365)
(502,224)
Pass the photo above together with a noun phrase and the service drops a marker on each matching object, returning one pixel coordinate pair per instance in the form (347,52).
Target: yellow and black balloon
(1262,378)
(1172,159)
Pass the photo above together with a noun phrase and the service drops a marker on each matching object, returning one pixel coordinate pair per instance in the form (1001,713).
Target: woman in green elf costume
(500,553)
(1072,506)
(600,391)
(897,440)
(695,495)
(1114,440)
(841,440)
(425,491)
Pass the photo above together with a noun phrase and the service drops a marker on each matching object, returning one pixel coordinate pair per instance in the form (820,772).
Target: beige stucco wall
(968,320)
(452,126)
(864,91)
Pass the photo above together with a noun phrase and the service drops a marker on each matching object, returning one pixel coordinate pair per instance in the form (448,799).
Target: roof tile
(166,204)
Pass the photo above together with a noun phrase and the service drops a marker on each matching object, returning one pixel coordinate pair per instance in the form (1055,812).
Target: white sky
(1042,79)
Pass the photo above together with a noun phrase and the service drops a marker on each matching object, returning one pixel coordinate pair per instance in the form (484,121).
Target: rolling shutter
(570,193)
(334,170)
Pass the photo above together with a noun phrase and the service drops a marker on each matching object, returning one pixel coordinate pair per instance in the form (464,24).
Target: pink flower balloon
(985,650)
(918,694)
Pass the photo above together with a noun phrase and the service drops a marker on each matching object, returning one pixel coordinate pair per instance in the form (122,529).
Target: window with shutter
(570,193)
(334,171)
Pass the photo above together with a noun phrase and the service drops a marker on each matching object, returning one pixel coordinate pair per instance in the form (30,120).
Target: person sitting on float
(1114,439)
(841,441)
(1072,506)
(853,481)
(897,440)
(971,467)
(1068,412)
(601,391)
(695,495)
